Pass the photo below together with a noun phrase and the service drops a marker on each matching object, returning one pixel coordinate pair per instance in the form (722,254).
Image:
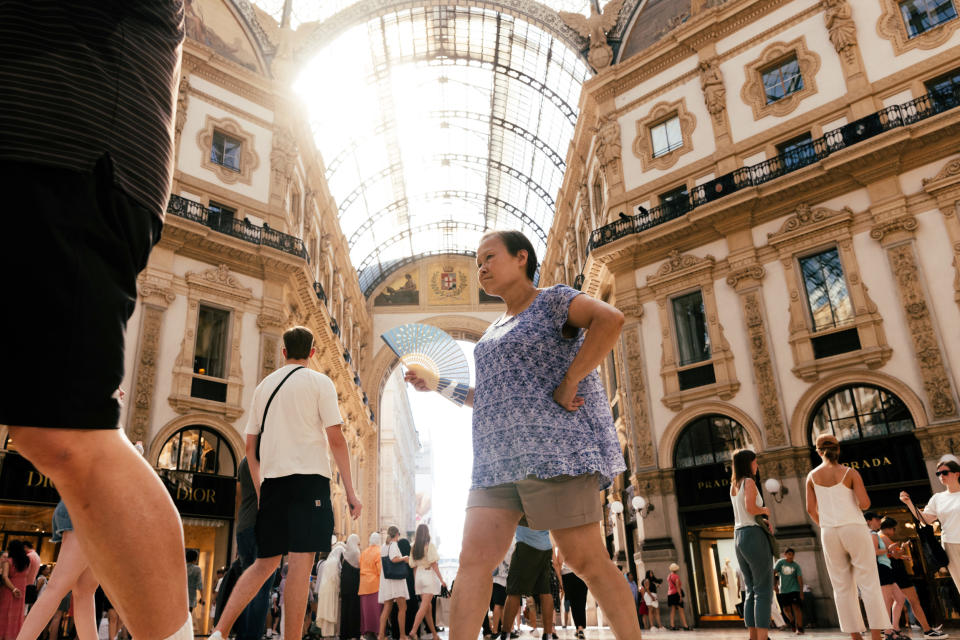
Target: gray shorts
(61,522)
(555,503)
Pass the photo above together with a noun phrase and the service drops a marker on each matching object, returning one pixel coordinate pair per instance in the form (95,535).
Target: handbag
(263,421)
(764,523)
(934,554)
(444,591)
(393,570)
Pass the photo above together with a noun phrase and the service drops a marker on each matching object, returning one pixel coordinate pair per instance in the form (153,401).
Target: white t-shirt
(294,438)
(945,507)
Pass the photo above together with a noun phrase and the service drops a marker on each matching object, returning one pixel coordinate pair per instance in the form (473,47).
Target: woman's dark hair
(421,541)
(404,545)
(18,554)
(742,461)
(515,242)
(888,523)
(832,452)
(949,464)
(392,532)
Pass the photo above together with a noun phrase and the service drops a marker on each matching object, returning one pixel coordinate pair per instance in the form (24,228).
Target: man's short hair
(298,341)
(871,515)
(789,550)
(192,555)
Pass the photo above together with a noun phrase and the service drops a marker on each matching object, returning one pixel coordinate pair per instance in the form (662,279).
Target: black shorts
(886,575)
(499,595)
(295,515)
(674,600)
(903,579)
(71,249)
(787,599)
(529,571)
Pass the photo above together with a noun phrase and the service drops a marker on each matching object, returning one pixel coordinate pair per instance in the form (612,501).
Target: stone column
(945,187)
(156,293)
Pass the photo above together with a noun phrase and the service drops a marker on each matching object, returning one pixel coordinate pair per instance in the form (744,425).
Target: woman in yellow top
(427,578)
(370,586)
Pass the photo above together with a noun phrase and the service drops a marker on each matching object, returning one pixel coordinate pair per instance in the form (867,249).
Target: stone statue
(596,28)
(714,93)
(843,32)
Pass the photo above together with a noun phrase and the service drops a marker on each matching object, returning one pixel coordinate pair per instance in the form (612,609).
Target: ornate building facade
(768,190)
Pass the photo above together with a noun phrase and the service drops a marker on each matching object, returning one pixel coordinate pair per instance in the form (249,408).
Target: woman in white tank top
(836,498)
(752,548)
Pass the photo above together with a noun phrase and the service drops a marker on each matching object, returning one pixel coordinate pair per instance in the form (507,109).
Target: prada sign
(201,495)
(21,482)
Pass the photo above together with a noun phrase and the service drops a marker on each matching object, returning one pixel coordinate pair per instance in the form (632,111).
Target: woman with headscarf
(328,592)
(369,588)
(349,587)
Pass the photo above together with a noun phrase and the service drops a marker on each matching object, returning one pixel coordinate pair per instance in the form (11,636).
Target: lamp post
(775,488)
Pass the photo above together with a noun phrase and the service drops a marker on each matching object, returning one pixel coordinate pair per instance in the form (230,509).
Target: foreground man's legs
(583,551)
(487,533)
(127,524)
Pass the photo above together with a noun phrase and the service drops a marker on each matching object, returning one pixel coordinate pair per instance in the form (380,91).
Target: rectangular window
(827,293)
(666,136)
(797,152)
(690,319)
(782,79)
(210,351)
(923,15)
(944,91)
(675,201)
(225,150)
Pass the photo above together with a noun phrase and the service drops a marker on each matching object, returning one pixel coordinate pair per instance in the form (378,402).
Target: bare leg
(911,594)
(898,600)
(295,593)
(84,607)
(797,614)
(510,610)
(70,566)
(487,534)
(546,608)
(683,619)
(54,627)
(498,616)
(113,623)
(673,613)
(247,586)
(126,522)
(384,616)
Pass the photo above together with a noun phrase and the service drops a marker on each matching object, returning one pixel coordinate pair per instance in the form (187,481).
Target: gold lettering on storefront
(196,495)
(870,463)
(37,479)
(713,484)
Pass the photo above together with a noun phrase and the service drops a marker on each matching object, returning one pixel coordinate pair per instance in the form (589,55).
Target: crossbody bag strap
(918,516)
(263,421)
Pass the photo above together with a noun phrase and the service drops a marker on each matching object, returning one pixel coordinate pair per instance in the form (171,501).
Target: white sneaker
(216,635)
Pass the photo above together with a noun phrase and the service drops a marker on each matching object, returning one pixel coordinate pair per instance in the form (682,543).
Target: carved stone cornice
(806,221)
(903,225)
(678,265)
(271,319)
(155,290)
(746,276)
(948,176)
(221,280)
(933,371)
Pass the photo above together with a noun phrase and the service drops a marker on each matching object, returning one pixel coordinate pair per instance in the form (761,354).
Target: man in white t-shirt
(294,422)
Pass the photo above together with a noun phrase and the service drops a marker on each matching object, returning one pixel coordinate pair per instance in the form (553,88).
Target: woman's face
(944,472)
(496,268)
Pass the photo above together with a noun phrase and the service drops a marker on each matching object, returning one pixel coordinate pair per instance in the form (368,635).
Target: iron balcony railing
(224,223)
(892,117)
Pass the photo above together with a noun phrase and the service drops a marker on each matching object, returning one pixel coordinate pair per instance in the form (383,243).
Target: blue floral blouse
(518,428)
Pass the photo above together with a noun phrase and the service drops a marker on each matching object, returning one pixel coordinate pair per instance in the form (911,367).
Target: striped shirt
(80,78)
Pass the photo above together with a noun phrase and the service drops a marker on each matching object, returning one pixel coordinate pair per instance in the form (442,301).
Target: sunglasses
(945,473)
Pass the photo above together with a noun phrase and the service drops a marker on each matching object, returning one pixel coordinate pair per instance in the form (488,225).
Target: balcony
(892,117)
(191,210)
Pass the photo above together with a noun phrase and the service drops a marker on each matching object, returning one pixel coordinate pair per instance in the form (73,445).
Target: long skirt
(349,601)
(369,613)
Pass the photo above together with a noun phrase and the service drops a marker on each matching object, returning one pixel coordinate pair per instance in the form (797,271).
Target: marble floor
(595,633)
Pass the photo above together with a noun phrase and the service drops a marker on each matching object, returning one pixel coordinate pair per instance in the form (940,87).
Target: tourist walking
(87,100)
(393,590)
(498,596)
(413,602)
(530,569)
(328,591)
(789,589)
(675,597)
(650,584)
(945,507)
(754,554)
(14,570)
(289,447)
(575,590)
(250,624)
(369,590)
(904,582)
(544,441)
(349,589)
(836,498)
(427,578)
(72,575)
(893,597)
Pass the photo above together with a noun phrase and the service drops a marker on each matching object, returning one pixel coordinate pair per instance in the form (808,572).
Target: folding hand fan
(434,356)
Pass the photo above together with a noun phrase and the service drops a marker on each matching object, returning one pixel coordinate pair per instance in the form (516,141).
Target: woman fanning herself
(544,442)
(835,498)
(423,559)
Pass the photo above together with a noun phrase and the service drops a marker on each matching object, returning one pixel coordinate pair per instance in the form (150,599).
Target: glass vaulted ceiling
(438,123)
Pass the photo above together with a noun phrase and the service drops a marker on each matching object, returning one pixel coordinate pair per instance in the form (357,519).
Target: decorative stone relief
(269,359)
(763,371)
(714,93)
(183,100)
(596,28)
(945,187)
(283,159)
(608,148)
(641,435)
(138,425)
(677,262)
(838,17)
(936,381)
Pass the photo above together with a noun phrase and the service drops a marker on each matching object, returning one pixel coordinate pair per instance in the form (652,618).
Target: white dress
(426,581)
(391,589)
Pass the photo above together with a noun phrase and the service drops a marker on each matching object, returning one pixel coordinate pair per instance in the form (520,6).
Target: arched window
(709,440)
(858,412)
(199,450)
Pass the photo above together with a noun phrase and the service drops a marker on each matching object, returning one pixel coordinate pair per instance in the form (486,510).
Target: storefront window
(199,450)
(709,440)
(859,412)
